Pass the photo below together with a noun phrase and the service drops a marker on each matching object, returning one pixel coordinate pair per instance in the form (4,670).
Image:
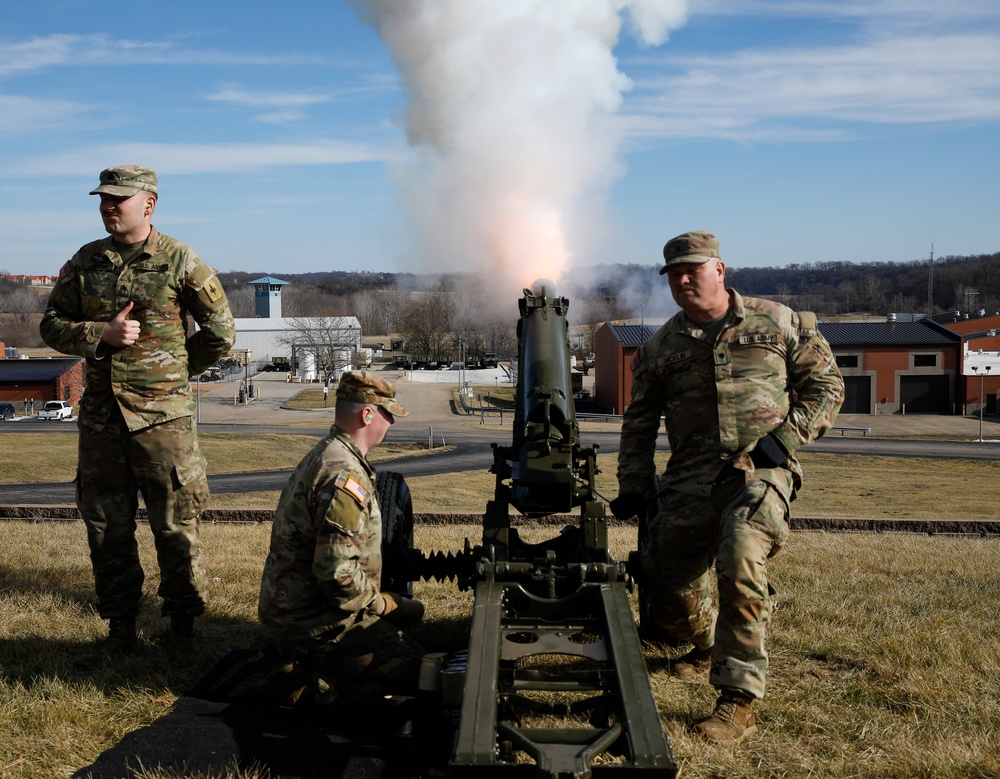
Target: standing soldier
(742,383)
(122,303)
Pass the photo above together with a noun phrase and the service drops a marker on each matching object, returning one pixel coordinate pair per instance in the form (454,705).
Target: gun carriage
(552,637)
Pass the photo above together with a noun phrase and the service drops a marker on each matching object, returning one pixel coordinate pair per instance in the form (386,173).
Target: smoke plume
(510,115)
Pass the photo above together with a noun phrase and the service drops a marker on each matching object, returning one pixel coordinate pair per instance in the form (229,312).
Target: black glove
(768,453)
(628,505)
(400,609)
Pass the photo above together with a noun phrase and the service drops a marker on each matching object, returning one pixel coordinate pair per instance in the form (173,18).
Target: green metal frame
(563,601)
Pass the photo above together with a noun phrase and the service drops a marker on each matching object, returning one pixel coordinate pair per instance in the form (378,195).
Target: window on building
(847,361)
(924,360)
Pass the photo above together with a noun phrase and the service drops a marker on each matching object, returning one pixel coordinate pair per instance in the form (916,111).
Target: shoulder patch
(808,327)
(200,274)
(66,270)
(348,504)
(354,488)
(206,284)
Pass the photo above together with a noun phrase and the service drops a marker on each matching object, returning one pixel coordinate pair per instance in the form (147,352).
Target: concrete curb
(973,527)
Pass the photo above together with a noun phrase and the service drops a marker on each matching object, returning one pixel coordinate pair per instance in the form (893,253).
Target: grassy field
(45,457)
(835,485)
(884,659)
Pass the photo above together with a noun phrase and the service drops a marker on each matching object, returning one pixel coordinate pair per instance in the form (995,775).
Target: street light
(982,398)
(461,362)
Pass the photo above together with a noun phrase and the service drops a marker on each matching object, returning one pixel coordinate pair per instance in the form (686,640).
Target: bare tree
(365,306)
(242,302)
(874,292)
(311,301)
(22,302)
(482,328)
(499,334)
(392,303)
(427,322)
(848,294)
(331,341)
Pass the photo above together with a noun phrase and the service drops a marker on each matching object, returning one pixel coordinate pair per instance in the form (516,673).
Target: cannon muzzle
(546,436)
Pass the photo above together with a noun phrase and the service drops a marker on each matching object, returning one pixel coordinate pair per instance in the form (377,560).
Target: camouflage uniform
(137,432)
(769,370)
(319,597)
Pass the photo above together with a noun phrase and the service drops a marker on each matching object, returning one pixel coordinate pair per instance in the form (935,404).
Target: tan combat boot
(120,641)
(732,719)
(692,665)
(180,637)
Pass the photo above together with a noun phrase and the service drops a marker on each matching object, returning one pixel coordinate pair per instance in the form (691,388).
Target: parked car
(55,409)
(6,412)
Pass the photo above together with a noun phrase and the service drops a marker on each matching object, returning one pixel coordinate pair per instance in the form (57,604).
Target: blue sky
(467,134)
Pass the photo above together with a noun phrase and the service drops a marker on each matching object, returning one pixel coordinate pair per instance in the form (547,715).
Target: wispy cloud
(19,114)
(817,93)
(183,159)
(287,106)
(267,99)
(102,49)
(913,14)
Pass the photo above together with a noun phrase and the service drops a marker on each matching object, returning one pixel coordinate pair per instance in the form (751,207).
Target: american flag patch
(355,490)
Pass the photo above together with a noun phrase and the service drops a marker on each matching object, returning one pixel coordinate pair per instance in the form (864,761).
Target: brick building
(614,346)
(58,378)
(889,366)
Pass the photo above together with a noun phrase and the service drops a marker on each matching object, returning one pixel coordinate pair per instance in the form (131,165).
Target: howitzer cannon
(552,633)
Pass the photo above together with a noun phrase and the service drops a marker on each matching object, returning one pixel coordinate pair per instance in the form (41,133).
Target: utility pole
(930,278)
(930,284)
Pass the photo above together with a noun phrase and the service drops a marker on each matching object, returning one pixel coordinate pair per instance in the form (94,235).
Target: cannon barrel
(546,437)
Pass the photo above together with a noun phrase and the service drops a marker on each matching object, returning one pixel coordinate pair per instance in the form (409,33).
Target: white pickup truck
(55,409)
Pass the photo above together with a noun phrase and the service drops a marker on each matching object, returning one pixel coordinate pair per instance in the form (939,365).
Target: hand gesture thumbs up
(121,331)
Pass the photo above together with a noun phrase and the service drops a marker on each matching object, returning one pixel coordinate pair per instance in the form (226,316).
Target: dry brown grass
(43,457)
(884,661)
(835,486)
(311,397)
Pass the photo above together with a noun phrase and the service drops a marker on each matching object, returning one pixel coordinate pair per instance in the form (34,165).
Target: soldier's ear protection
(368,416)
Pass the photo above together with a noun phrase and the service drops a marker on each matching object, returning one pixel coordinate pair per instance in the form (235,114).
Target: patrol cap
(366,387)
(697,247)
(126,180)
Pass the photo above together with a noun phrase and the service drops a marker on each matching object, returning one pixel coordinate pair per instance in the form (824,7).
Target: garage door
(924,393)
(857,395)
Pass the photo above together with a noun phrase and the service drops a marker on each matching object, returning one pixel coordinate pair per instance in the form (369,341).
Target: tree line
(450,313)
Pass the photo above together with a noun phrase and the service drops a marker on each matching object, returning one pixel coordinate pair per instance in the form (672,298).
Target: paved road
(433,416)
(471,451)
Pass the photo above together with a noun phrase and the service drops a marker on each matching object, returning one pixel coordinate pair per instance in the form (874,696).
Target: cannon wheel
(397,531)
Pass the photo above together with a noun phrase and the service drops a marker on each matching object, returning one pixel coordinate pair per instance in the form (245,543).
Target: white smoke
(510,112)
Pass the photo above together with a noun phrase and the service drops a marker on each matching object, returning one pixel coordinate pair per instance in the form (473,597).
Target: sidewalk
(428,397)
(429,402)
(892,425)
